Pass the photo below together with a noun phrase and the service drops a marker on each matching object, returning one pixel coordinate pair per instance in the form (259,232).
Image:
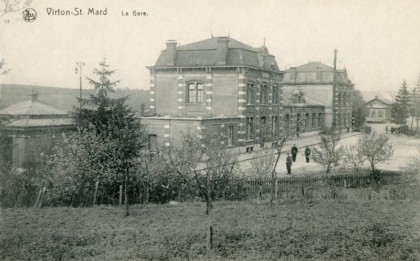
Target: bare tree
(353,158)
(203,161)
(375,148)
(261,166)
(328,154)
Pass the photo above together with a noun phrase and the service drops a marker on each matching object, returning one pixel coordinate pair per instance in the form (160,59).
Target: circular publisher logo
(29,15)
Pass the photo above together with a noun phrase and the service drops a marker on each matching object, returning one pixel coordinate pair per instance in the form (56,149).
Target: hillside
(64,98)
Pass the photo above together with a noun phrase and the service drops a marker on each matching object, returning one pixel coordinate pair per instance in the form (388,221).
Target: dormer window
(195,92)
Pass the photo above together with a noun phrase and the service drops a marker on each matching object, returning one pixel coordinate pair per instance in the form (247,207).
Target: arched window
(264,94)
(307,121)
(195,92)
(275,96)
(313,120)
(250,93)
(320,120)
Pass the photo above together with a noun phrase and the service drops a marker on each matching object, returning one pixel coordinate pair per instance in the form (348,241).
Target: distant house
(28,130)
(378,111)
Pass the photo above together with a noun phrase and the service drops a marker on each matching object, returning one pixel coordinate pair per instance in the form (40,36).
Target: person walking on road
(289,164)
(294,152)
(307,153)
(386,129)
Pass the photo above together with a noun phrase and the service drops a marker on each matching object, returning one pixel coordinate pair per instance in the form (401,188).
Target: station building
(322,84)
(219,84)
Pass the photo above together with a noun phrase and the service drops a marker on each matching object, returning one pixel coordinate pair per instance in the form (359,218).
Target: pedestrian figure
(289,164)
(307,153)
(386,129)
(294,152)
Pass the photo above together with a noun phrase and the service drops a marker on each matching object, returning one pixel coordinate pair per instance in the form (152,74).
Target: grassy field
(300,230)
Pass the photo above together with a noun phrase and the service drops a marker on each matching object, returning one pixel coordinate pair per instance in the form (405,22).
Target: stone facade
(329,87)
(216,83)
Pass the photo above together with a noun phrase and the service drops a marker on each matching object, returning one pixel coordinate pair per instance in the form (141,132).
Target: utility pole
(335,96)
(417,103)
(80,65)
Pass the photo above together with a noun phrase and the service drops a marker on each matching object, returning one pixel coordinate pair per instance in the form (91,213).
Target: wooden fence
(248,188)
(347,180)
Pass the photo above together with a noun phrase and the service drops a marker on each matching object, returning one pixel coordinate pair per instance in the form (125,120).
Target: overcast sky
(378,41)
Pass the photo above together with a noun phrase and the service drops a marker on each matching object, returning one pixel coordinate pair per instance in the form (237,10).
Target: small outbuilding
(28,130)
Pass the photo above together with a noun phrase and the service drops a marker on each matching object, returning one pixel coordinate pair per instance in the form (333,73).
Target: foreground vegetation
(294,230)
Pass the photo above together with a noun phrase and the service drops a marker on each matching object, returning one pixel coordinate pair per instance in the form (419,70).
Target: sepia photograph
(210,130)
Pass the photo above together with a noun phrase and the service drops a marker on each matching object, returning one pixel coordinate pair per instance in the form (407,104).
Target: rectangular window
(263,126)
(319,120)
(230,135)
(152,142)
(275,94)
(195,92)
(191,93)
(250,128)
(264,94)
(313,120)
(250,93)
(200,90)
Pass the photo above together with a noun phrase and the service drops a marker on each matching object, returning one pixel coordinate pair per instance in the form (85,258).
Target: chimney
(262,56)
(170,52)
(34,96)
(222,50)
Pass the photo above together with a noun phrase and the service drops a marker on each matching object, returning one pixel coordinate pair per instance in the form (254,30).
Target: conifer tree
(113,120)
(401,107)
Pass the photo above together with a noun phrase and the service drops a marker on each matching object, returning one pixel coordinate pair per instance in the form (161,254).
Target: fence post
(179,194)
(121,187)
(38,198)
(276,188)
(42,196)
(140,194)
(96,193)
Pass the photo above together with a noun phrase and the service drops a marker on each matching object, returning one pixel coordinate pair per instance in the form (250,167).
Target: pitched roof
(25,123)
(211,44)
(312,66)
(318,67)
(203,53)
(31,108)
(385,101)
